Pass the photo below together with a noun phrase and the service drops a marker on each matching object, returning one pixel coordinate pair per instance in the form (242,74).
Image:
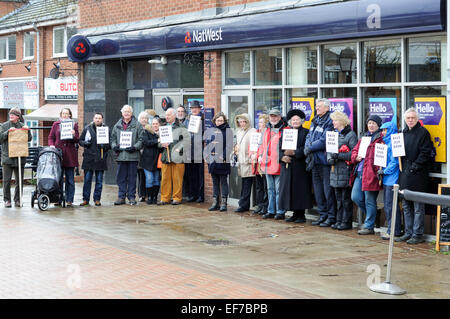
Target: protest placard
(380,155)
(18,143)
(102,135)
(332,142)
(365,142)
(165,134)
(125,139)
(66,130)
(254,142)
(194,124)
(289,139)
(398,145)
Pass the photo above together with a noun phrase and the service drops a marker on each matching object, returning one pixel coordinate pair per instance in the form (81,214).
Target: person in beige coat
(243,136)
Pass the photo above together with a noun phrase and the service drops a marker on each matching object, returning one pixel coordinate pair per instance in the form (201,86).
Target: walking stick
(168,153)
(400,163)
(20,182)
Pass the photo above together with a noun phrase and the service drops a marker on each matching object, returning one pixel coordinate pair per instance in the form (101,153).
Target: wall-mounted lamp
(28,67)
(162,60)
(57,64)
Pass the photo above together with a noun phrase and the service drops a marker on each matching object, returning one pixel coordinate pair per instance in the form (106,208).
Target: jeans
(152,178)
(69,185)
(323,192)
(366,201)
(273,189)
(88,174)
(220,182)
(388,193)
(414,216)
(126,179)
(246,191)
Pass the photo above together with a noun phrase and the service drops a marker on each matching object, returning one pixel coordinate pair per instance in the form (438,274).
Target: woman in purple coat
(67,145)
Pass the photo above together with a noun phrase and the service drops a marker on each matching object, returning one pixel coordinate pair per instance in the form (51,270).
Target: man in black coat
(414,174)
(94,160)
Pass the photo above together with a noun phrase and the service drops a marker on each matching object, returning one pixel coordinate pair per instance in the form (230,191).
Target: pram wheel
(43,202)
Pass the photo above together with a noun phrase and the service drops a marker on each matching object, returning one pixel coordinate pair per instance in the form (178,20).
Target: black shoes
(318,222)
(240,210)
(327,223)
(279,217)
(120,201)
(200,200)
(415,240)
(343,226)
(268,215)
(190,199)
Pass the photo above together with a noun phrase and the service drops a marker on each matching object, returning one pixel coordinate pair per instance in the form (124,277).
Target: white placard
(381,151)
(254,141)
(365,142)
(289,139)
(125,139)
(66,130)
(165,134)
(332,142)
(398,145)
(102,135)
(194,123)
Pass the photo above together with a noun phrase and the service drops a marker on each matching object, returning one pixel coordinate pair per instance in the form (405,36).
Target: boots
(155,194)
(292,218)
(223,205)
(215,204)
(149,195)
(300,217)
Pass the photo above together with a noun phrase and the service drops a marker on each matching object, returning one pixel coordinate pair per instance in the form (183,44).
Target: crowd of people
(285,179)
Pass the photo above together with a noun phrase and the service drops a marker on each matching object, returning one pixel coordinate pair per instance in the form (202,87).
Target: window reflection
(237,68)
(302,65)
(268,67)
(382,61)
(425,59)
(339,63)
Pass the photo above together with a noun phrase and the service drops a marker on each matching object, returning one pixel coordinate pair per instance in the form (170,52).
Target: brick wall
(7,7)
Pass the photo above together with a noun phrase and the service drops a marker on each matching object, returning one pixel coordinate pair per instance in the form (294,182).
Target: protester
(172,159)
(194,172)
(149,160)
(143,119)
(270,166)
(317,159)
(366,183)
(260,179)
(241,149)
(69,151)
(127,156)
(390,175)
(416,164)
(217,151)
(181,114)
(341,169)
(11,164)
(295,181)
(94,160)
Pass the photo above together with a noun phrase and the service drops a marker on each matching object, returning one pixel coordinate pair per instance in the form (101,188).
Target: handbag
(159,163)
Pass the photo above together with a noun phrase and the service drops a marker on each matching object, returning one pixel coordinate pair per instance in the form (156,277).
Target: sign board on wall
(306,104)
(345,105)
(65,88)
(432,114)
(384,107)
(21,94)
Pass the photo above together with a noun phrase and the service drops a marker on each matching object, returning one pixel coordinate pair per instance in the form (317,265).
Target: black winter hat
(297,112)
(376,119)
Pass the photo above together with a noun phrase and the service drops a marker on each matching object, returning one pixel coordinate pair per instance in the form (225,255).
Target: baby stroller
(49,179)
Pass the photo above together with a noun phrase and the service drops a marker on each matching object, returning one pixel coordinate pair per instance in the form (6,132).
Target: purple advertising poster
(344,105)
(384,107)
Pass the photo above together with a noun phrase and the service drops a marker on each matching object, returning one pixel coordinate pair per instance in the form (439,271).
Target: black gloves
(334,155)
(117,149)
(131,149)
(380,173)
(87,144)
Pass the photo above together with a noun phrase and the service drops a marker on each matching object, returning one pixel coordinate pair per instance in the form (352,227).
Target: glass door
(236,102)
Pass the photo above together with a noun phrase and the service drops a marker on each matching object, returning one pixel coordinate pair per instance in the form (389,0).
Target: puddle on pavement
(216,242)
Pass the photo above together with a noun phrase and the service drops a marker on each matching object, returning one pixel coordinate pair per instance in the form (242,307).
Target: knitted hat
(16,112)
(376,119)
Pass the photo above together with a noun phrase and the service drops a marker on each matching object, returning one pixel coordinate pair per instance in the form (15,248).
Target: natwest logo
(206,35)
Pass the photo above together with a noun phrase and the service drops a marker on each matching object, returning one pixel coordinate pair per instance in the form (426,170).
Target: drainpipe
(37,63)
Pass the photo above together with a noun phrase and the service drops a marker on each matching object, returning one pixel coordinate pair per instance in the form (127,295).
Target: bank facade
(367,56)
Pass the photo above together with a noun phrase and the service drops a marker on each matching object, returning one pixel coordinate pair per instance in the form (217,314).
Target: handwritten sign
(289,139)
(103,135)
(18,143)
(380,155)
(365,142)
(194,124)
(332,142)
(66,130)
(125,139)
(398,145)
(254,142)
(165,134)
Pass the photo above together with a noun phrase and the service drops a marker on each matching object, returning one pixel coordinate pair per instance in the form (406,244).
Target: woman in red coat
(67,145)
(366,183)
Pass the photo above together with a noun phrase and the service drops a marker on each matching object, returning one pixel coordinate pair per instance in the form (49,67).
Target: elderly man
(126,141)
(181,114)
(172,160)
(9,164)
(315,149)
(269,161)
(414,175)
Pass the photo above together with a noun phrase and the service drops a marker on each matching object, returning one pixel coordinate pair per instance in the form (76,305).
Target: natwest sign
(65,88)
(205,35)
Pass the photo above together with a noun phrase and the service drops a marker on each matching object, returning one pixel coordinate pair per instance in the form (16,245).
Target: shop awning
(50,112)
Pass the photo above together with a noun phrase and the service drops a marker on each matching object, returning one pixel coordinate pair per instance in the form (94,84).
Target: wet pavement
(185,251)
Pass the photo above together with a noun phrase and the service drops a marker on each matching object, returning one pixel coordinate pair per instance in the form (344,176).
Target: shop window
(382,61)
(339,63)
(427,59)
(237,70)
(138,75)
(301,66)
(344,99)
(268,67)
(8,48)
(384,102)
(267,99)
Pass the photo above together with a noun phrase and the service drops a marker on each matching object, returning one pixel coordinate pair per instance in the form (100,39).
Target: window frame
(66,40)
(6,38)
(32,35)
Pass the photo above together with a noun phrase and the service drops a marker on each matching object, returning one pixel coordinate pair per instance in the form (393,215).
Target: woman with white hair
(414,175)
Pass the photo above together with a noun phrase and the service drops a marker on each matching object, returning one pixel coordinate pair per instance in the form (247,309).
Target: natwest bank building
(367,56)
